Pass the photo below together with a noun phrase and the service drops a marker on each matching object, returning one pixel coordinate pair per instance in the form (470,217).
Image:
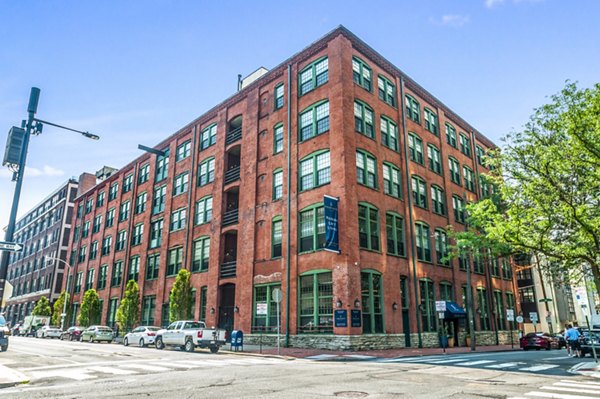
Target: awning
(454,311)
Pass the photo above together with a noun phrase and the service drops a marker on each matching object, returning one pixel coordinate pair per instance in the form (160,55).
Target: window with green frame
(178,218)
(314,120)
(510,304)
(181,183)
(441,247)
(368,227)
(201,254)
(499,310)
(162,166)
(454,170)
(203,292)
(313,76)
(206,172)
(102,276)
(451,135)
(315,297)
(458,206)
(465,145)
(366,169)
(469,179)
(152,266)
(415,146)
(428,313)
(482,309)
(389,133)
(276,237)
(278,97)
(363,119)
(431,121)
(371,288)
(263,300)
(183,151)
(277,184)
(361,73)
(506,269)
(438,200)
(117,274)
(148,310)
(315,170)
(111,318)
(312,228)
(144,173)
(494,267)
(134,268)
(278,138)
(423,242)
(419,191)
(204,210)
(208,136)
(394,229)
(386,90)
(480,154)
(413,110)
(463,262)
(435,159)
(446,291)
(175,261)
(392,180)
(113,191)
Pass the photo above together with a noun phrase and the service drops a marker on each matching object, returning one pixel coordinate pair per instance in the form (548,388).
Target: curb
(11,378)
(254,354)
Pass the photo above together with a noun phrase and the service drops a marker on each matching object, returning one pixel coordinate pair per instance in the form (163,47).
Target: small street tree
(180,297)
(42,307)
(90,308)
(58,307)
(129,310)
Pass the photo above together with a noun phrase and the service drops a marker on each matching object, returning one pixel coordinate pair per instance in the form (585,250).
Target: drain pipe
(410,216)
(288,212)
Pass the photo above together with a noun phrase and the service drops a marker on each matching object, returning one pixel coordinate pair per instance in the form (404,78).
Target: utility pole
(16,157)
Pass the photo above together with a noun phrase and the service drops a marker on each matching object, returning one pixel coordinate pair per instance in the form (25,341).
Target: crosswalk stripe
(397,359)
(111,370)
(554,395)
(584,382)
(474,363)
(145,367)
(460,359)
(503,365)
(539,367)
(576,385)
(570,389)
(74,374)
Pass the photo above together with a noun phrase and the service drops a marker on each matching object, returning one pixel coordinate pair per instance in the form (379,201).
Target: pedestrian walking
(572,336)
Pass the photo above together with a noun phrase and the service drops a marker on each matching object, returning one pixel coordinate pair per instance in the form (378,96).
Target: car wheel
(4,348)
(189,345)
(214,349)
(141,343)
(62,338)
(91,339)
(126,342)
(525,348)
(159,343)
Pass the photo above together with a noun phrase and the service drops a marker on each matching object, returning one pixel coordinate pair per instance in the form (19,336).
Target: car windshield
(153,328)
(192,324)
(105,330)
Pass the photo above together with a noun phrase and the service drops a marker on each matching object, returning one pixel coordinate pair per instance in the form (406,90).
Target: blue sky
(135,72)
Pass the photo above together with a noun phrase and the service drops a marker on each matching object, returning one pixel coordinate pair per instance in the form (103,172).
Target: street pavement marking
(476,362)
(539,367)
(583,382)
(576,384)
(554,395)
(145,367)
(504,365)
(65,373)
(458,359)
(570,390)
(111,370)
(556,358)
(322,357)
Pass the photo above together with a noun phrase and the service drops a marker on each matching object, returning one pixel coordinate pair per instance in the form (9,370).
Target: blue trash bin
(237,340)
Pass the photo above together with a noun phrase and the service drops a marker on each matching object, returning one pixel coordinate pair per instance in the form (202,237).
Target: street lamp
(16,157)
(63,315)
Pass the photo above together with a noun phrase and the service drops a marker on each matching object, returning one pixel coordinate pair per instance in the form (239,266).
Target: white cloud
(45,171)
(493,3)
(453,20)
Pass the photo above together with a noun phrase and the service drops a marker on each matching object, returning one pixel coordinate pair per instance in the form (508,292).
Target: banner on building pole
(332,235)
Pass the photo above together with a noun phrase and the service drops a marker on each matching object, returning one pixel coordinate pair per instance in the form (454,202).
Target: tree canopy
(90,308)
(547,180)
(42,307)
(129,309)
(180,297)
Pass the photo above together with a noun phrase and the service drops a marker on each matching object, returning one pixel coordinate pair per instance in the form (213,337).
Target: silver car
(97,333)
(48,332)
(141,336)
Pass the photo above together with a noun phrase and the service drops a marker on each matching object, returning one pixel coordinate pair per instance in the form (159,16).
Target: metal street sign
(510,314)
(277,295)
(441,315)
(519,319)
(533,316)
(440,306)
(10,246)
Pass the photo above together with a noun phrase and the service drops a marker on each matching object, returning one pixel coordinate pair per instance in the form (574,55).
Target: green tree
(547,177)
(90,308)
(129,309)
(42,307)
(180,297)
(58,307)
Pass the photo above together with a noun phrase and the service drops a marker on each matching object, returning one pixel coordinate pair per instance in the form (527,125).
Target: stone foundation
(374,341)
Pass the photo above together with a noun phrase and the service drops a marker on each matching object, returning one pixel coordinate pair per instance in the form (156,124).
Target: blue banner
(332,242)
(341,318)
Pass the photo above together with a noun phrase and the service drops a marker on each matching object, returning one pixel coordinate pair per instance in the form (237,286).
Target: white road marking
(111,370)
(503,365)
(458,359)
(395,359)
(555,395)
(76,374)
(476,362)
(570,389)
(576,384)
(539,367)
(583,382)
(145,367)
(557,358)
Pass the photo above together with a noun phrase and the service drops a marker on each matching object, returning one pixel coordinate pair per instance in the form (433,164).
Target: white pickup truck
(189,334)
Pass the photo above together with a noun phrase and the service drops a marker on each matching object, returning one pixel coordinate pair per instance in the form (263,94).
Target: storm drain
(351,394)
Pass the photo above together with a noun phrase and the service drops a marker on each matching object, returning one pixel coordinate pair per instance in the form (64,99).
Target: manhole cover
(351,394)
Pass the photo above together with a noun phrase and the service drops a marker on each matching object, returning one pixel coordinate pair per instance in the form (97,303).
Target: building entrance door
(226,307)
(406,327)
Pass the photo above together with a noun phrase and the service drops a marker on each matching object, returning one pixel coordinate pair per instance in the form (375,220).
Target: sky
(135,72)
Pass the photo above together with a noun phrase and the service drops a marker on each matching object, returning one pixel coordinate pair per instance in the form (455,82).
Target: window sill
(370,250)
(369,187)
(396,256)
(393,196)
(300,141)
(315,187)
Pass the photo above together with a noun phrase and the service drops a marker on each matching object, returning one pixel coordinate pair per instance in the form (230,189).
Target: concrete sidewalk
(10,377)
(364,355)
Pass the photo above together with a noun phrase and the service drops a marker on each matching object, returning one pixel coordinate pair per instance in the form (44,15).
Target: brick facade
(242,269)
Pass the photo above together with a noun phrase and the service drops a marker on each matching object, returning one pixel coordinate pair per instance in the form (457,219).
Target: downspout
(410,216)
(288,211)
(190,221)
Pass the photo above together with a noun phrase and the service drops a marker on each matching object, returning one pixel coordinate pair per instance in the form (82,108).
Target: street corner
(256,354)
(588,369)
(10,377)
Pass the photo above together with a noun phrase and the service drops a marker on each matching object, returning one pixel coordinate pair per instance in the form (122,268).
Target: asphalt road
(82,370)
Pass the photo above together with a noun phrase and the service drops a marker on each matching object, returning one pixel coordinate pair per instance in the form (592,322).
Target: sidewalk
(10,377)
(325,354)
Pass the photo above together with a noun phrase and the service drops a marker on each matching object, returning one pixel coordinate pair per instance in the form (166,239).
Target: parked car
(48,332)
(3,338)
(537,341)
(72,333)
(586,343)
(189,334)
(561,342)
(97,333)
(141,336)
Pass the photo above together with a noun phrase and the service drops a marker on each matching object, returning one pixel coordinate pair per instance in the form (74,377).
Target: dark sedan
(585,343)
(561,342)
(72,333)
(537,341)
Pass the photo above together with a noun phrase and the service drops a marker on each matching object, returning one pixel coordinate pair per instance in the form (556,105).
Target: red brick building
(238,200)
